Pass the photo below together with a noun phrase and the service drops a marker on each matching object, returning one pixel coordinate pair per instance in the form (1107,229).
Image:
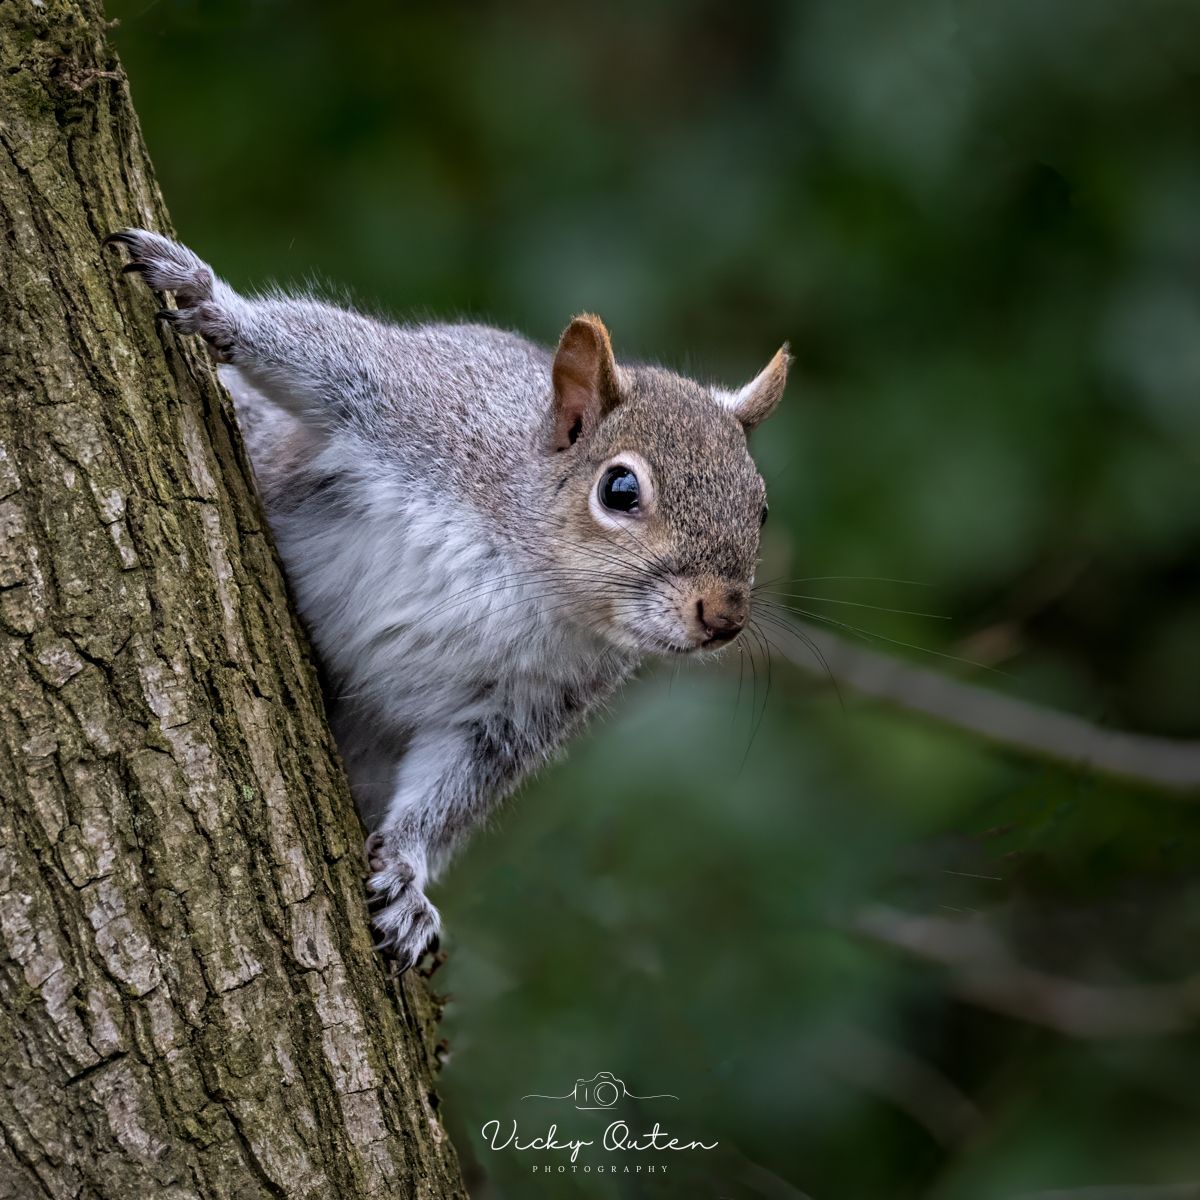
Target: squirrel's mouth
(710,645)
(657,644)
(675,631)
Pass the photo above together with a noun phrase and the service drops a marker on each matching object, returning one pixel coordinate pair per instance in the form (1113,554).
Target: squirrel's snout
(722,614)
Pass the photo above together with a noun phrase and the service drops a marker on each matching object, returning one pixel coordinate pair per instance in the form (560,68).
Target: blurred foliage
(977,223)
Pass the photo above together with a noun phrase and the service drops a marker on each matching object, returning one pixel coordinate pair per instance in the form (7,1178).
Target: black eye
(619,489)
(766,512)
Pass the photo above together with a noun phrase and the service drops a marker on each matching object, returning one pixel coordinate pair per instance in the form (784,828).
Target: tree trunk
(191,1004)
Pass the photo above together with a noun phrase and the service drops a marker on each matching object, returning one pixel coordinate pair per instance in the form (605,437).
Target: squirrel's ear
(585,380)
(755,402)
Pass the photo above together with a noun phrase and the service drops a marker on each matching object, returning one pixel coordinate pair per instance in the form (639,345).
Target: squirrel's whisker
(905,612)
(844,578)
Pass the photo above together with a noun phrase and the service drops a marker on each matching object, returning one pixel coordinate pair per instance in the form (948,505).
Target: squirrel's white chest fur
(415,609)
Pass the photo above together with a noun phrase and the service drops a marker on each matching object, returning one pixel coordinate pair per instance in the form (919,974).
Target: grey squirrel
(483,537)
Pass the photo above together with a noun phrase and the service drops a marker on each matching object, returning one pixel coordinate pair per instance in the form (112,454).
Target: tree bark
(191,1004)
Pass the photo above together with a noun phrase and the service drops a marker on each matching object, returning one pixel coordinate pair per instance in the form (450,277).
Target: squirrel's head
(659,505)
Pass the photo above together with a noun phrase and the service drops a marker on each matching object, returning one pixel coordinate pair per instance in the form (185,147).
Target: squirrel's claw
(373,849)
(405,947)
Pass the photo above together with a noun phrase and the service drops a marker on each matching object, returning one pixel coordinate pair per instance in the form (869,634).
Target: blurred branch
(984,972)
(901,1079)
(1018,725)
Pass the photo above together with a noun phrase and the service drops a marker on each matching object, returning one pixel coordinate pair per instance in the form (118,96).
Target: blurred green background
(979,226)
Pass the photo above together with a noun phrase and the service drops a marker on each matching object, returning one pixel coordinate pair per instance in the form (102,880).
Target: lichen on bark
(190,1003)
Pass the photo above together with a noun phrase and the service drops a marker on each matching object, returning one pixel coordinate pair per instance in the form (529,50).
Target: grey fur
(471,600)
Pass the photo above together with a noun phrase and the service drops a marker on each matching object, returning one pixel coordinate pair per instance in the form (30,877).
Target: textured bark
(191,1005)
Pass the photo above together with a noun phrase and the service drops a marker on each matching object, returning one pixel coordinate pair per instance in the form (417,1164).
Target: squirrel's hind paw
(406,923)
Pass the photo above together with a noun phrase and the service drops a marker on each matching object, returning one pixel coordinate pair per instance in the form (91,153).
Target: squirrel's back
(451,403)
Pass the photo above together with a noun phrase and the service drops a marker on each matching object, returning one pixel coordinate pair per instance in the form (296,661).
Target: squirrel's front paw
(406,923)
(169,267)
(165,265)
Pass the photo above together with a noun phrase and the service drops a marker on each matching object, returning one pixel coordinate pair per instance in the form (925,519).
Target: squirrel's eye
(619,489)
(766,512)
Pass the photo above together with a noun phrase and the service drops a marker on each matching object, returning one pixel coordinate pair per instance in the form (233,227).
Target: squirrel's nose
(722,614)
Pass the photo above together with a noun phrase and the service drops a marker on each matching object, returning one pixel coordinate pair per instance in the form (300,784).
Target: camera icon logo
(603,1090)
